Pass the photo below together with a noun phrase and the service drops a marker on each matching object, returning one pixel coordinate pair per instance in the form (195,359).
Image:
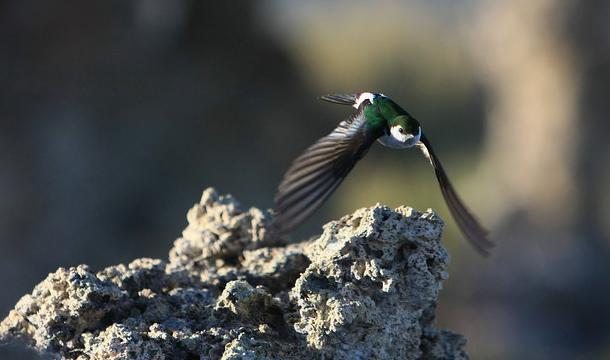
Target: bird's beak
(343,99)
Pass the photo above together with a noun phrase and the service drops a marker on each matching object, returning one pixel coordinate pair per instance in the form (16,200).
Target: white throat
(397,139)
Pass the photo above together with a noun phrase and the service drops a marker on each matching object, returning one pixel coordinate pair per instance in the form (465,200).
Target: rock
(365,289)
(60,309)
(120,341)
(249,305)
(220,229)
(373,276)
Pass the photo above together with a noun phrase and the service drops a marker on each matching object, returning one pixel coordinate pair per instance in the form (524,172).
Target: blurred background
(116,115)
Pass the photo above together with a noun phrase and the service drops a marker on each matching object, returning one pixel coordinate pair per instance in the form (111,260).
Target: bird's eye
(401,130)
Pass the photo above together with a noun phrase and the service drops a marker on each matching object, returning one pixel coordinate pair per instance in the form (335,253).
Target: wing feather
(316,173)
(474,232)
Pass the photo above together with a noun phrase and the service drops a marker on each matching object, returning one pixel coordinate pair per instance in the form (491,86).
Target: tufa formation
(365,289)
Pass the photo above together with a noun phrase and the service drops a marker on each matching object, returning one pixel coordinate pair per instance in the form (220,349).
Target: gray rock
(373,284)
(220,229)
(365,289)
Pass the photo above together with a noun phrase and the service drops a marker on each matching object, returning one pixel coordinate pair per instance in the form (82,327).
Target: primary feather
(317,172)
(475,233)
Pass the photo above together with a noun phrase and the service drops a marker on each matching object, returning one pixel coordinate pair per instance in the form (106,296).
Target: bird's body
(317,172)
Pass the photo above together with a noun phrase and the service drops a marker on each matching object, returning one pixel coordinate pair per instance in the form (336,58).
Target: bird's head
(403,132)
(405,129)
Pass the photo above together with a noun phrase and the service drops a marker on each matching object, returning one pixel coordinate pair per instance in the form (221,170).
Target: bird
(317,172)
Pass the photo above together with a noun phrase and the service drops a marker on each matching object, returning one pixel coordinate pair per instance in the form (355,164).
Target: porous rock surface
(365,289)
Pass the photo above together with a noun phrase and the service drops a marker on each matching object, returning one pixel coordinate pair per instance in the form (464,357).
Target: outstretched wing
(471,228)
(317,172)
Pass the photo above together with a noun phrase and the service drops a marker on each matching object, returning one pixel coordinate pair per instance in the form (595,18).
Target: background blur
(116,115)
